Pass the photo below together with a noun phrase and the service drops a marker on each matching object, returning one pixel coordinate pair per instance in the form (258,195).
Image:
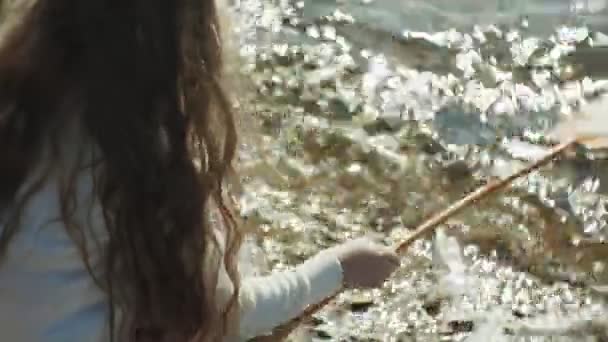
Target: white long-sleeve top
(46,293)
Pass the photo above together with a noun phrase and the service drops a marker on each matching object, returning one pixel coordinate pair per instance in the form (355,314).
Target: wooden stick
(432,223)
(282,332)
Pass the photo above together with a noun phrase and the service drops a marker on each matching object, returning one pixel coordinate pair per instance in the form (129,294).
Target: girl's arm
(270,301)
(267,302)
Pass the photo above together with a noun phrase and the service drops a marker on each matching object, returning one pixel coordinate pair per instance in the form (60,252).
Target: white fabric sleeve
(267,302)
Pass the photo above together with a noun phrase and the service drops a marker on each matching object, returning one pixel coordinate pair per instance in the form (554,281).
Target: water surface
(375,114)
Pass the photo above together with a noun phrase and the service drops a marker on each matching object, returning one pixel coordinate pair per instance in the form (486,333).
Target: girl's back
(127,76)
(46,291)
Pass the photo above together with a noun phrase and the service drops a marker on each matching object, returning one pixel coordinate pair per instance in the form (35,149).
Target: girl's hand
(366,264)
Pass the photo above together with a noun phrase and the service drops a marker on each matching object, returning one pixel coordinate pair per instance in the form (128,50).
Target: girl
(115,139)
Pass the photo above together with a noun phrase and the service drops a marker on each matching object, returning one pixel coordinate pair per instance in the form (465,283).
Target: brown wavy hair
(143,80)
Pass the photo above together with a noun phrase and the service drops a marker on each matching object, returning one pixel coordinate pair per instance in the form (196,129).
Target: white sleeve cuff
(324,273)
(267,302)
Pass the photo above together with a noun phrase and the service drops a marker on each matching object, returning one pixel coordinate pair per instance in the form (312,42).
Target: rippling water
(434,15)
(375,114)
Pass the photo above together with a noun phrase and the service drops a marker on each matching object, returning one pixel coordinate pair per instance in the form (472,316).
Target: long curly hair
(143,80)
